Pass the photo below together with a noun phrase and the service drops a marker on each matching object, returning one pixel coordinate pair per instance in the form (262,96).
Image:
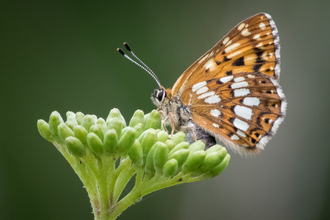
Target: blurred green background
(61,55)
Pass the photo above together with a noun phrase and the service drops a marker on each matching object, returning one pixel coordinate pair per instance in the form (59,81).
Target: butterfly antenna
(152,74)
(136,57)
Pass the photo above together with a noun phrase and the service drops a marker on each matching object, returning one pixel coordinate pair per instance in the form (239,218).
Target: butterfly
(231,93)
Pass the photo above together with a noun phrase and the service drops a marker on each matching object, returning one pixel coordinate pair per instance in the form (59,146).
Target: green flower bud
(117,124)
(160,155)
(178,138)
(54,121)
(136,153)
(80,118)
(110,141)
(70,125)
(103,125)
(169,144)
(127,140)
(95,144)
(88,121)
(162,136)
(139,128)
(80,133)
(115,113)
(97,129)
(71,118)
(43,129)
(153,121)
(137,118)
(144,134)
(214,148)
(170,168)
(150,169)
(64,131)
(194,160)
(197,146)
(145,118)
(223,165)
(213,159)
(182,145)
(75,146)
(148,141)
(180,156)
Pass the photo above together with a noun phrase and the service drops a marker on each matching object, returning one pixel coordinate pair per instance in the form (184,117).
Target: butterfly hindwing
(242,110)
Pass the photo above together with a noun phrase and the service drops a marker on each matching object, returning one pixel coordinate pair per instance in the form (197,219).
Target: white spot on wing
(262,25)
(241,26)
(229,42)
(202,90)
(238,79)
(232,47)
(198,85)
(277,54)
(243,112)
(251,76)
(241,133)
(277,124)
(213,99)
(206,95)
(241,124)
(215,112)
(245,32)
(257,36)
(234,54)
(283,107)
(209,65)
(277,69)
(239,85)
(234,137)
(225,40)
(251,101)
(201,60)
(241,92)
(226,79)
(215,125)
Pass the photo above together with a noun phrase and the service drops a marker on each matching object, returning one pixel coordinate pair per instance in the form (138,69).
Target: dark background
(61,55)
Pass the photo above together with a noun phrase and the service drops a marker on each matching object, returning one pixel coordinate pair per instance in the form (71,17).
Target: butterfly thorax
(172,109)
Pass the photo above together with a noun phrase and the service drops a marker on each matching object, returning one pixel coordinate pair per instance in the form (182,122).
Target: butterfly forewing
(233,91)
(251,46)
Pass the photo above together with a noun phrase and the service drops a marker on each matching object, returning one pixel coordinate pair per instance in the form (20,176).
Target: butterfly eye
(159,94)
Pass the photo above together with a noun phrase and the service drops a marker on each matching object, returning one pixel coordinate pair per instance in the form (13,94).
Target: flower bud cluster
(143,140)
(107,154)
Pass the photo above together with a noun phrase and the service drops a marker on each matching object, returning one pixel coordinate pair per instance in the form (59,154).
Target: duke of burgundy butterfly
(231,93)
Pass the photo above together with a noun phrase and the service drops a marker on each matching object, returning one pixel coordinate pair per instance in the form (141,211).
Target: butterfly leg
(172,123)
(190,130)
(164,118)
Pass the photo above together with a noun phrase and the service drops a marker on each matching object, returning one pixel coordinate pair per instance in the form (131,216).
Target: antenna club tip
(121,51)
(127,46)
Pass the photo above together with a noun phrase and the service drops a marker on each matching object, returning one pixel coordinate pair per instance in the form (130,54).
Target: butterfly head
(158,96)
(161,97)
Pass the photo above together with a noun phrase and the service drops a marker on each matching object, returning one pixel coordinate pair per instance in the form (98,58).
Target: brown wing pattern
(251,46)
(233,89)
(243,110)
